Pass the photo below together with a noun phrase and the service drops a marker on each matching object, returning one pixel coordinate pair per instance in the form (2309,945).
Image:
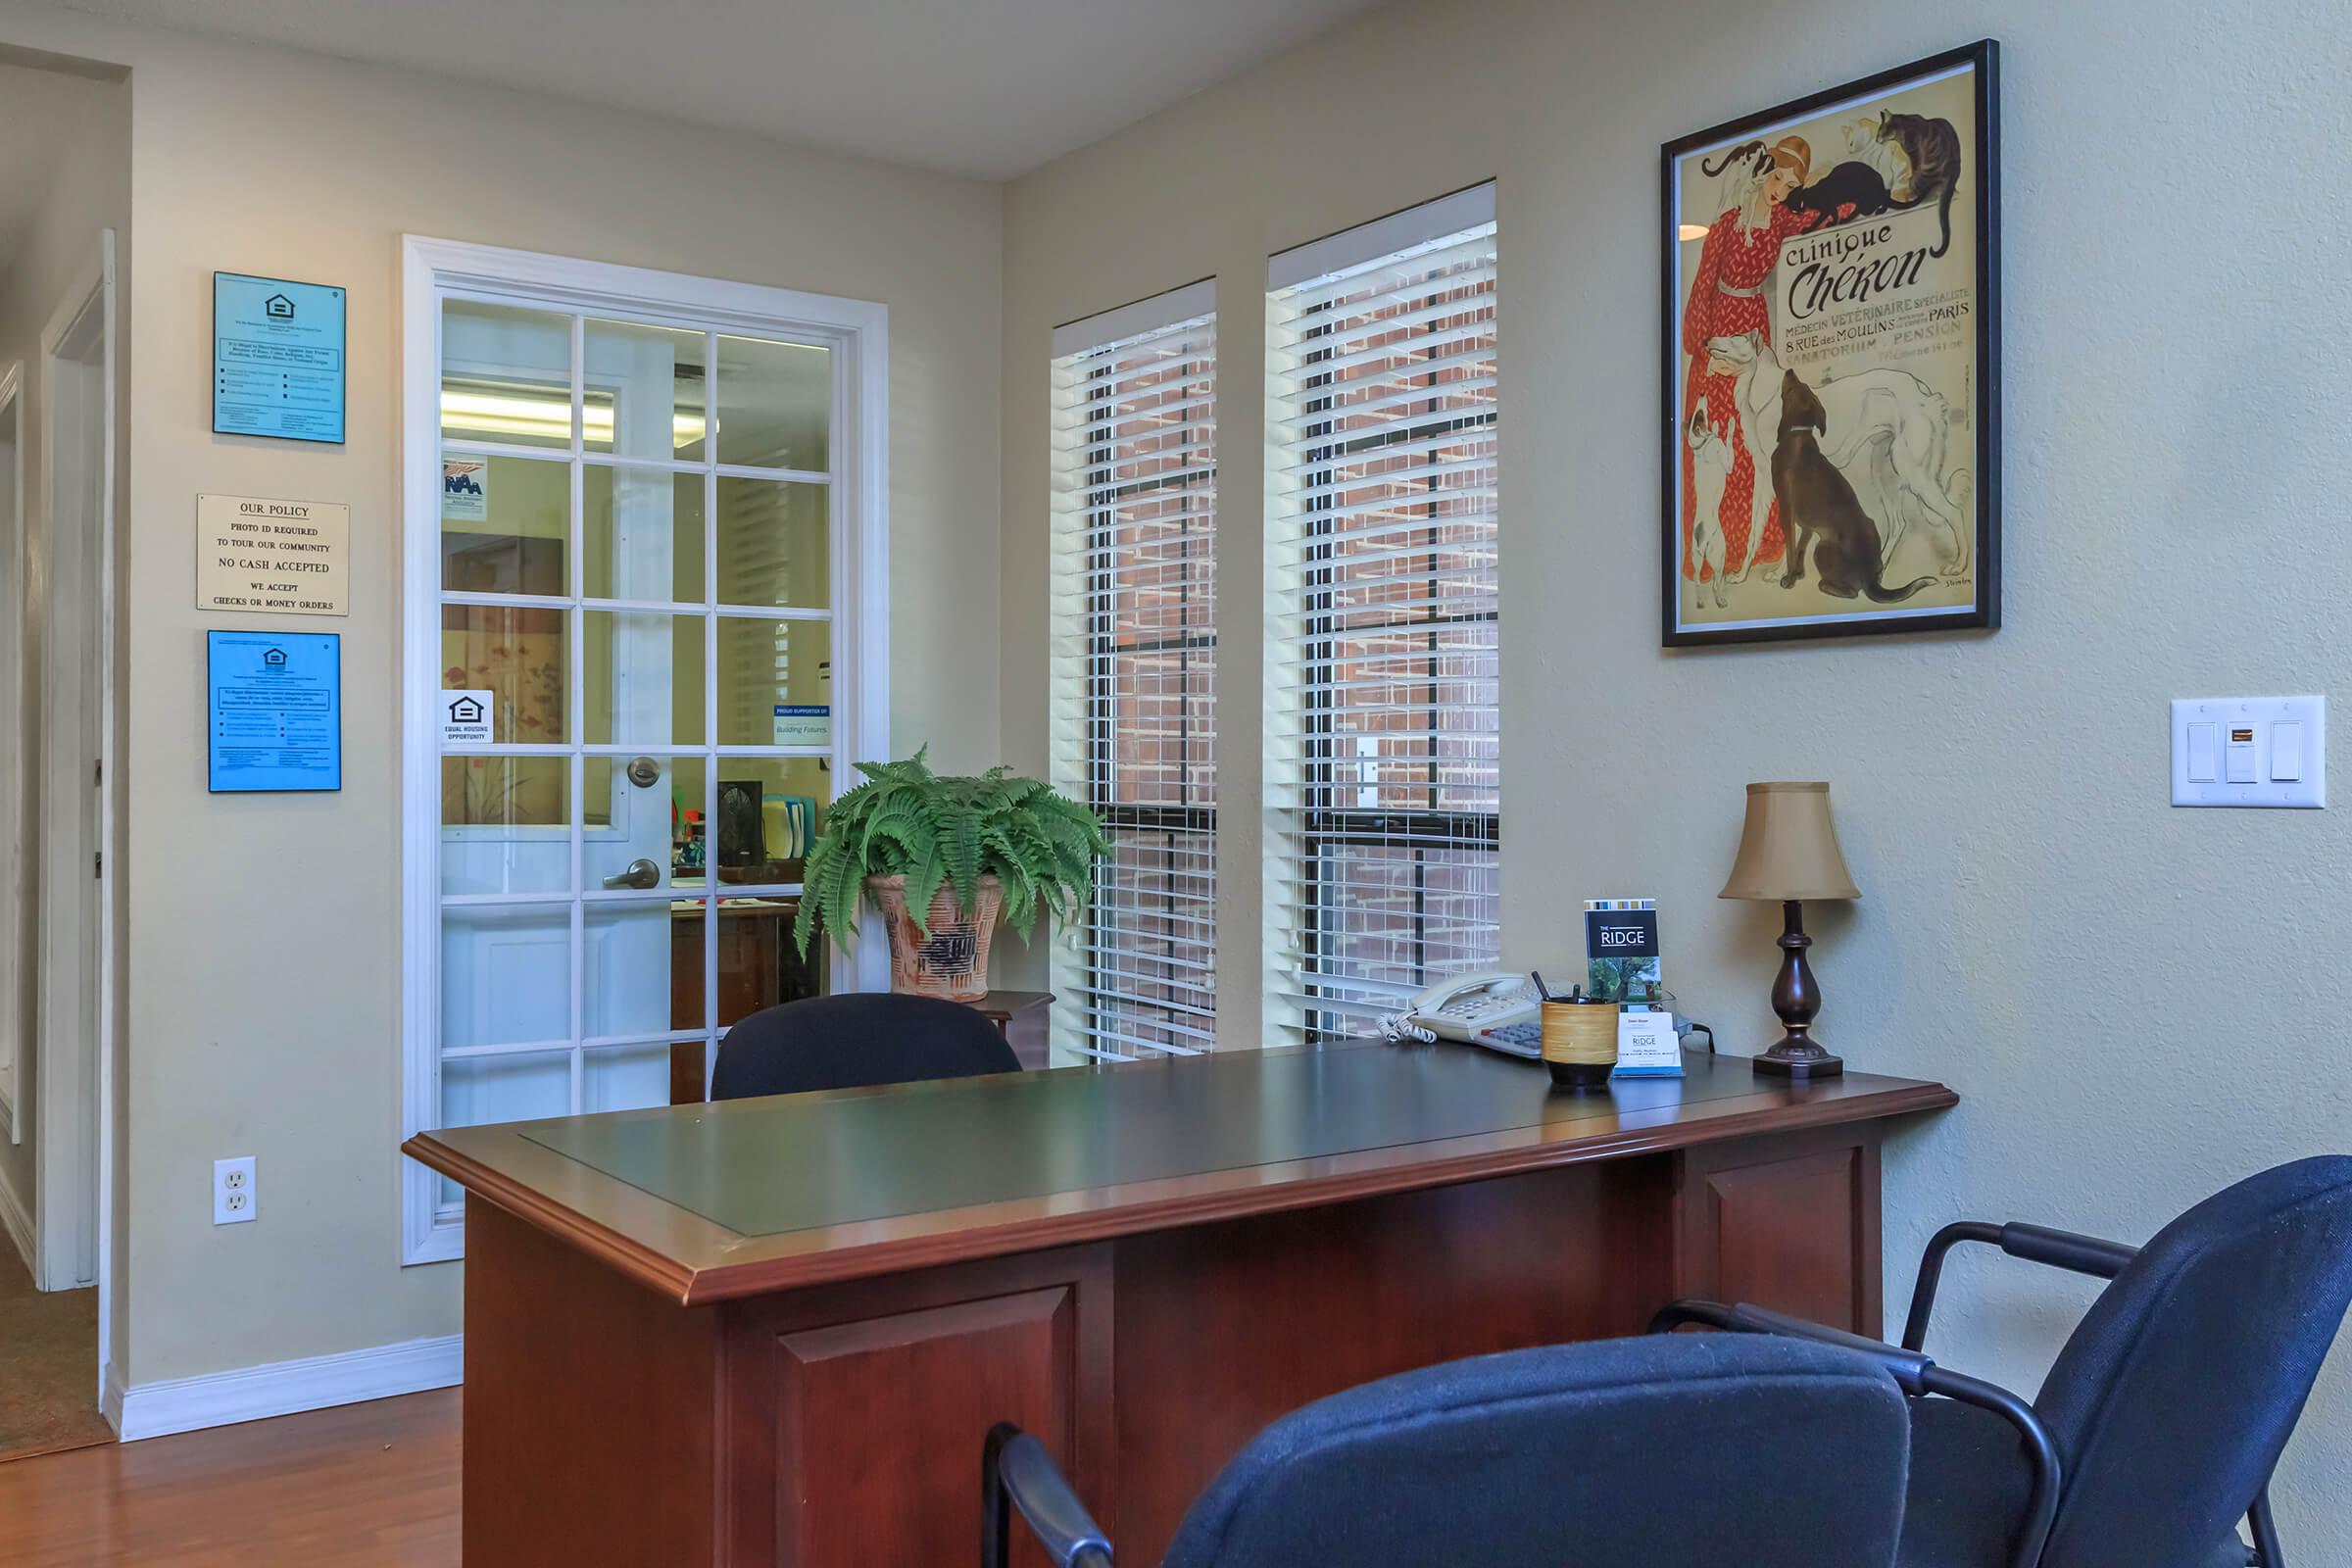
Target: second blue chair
(2160,1422)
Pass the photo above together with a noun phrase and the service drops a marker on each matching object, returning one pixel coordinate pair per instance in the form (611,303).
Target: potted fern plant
(942,857)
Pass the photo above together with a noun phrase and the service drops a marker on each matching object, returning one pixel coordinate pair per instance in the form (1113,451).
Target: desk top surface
(717,1201)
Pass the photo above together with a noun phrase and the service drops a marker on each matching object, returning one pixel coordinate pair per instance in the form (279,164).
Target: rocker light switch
(2286,751)
(2204,754)
(2250,750)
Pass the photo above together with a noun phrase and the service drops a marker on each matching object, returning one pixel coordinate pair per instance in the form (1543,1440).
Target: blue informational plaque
(276,717)
(278,358)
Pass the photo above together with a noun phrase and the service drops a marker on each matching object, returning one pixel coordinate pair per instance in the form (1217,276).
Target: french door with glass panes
(646,620)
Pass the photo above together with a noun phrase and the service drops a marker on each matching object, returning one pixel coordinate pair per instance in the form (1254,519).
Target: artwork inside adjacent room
(1832,363)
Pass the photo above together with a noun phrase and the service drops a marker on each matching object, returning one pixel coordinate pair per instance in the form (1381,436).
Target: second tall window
(1383,766)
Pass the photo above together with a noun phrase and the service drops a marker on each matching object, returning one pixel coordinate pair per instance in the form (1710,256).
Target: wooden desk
(774,1330)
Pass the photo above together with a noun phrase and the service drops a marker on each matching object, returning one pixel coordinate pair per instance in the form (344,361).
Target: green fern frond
(960,842)
(805,924)
(1014,868)
(843,886)
(925,871)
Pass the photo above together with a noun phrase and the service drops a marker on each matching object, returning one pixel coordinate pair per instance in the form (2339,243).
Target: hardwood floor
(48,1346)
(365,1486)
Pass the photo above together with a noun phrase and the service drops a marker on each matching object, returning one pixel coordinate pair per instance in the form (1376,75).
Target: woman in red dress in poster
(1729,297)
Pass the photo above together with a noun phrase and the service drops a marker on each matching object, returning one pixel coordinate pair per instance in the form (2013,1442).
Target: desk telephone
(1497,1010)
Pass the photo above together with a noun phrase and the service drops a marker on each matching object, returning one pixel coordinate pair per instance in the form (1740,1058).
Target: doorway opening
(65,191)
(647,617)
(57,427)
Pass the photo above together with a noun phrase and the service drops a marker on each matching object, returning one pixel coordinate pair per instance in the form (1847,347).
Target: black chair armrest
(1917,1375)
(2083,1254)
(1015,1470)
(2036,1243)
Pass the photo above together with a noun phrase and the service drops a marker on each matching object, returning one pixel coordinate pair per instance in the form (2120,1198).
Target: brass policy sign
(286,558)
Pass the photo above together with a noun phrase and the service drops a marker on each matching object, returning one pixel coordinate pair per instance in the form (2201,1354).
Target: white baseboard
(282,1387)
(109,1397)
(19,1225)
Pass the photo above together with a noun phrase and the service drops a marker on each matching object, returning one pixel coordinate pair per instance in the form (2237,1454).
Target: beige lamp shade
(1789,849)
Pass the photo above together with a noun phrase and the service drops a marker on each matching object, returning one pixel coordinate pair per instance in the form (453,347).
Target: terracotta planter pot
(952,961)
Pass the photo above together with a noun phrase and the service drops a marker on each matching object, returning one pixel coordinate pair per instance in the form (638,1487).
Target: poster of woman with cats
(1832,363)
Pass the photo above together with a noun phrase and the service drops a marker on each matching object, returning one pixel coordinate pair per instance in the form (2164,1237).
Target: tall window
(1381,672)
(643,523)
(1135,471)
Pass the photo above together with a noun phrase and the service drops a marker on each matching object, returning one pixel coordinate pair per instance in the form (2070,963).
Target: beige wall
(263,968)
(2137,1004)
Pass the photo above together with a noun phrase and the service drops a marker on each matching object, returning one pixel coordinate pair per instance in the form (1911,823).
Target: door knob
(638,874)
(644,772)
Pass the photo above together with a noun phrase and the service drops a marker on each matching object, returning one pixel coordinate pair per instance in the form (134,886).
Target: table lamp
(1788,853)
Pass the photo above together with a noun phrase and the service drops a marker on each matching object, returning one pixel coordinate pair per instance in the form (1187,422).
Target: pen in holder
(1580,1040)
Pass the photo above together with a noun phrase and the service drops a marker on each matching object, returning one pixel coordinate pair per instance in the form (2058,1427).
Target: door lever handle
(638,874)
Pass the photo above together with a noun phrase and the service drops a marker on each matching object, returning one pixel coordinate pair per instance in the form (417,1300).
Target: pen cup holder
(1580,1043)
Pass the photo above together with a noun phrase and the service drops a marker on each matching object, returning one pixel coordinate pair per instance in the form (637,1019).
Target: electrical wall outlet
(232,1191)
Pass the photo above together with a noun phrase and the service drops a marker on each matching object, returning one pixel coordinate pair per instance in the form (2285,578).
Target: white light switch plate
(2211,734)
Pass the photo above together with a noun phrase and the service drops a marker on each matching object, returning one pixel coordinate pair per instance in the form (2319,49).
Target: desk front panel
(845,1420)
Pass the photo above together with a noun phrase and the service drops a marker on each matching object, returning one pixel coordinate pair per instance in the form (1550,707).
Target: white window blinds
(1382,769)
(1134,628)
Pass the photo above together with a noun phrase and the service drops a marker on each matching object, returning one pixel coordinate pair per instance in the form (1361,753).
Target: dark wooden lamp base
(1797,998)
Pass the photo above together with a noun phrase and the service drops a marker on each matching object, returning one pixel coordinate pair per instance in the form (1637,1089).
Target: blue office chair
(1691,1452)
(855,1041)
(2162,1417)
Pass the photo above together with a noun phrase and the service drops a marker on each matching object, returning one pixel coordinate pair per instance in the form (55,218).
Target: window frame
(857,332)
(1315,829)
(1089,765)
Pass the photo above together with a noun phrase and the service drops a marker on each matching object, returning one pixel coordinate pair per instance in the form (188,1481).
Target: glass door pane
(628,516)
(505,375)
(503,524)
(775,403)
(775,544)
(646,391)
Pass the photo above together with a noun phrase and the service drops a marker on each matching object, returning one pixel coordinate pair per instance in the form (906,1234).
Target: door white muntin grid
(854,647)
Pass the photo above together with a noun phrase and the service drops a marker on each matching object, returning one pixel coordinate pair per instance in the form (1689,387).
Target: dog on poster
(1885,429)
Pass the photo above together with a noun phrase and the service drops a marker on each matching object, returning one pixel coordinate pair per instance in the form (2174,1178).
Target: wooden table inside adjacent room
(776,1331)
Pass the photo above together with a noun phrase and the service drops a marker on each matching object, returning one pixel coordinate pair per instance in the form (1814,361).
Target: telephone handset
(1497,1010)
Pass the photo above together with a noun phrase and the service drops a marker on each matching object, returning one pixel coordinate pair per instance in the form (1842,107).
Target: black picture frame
(1983,59)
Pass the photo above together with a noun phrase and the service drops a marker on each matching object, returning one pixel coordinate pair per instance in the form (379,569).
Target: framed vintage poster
(1833,363)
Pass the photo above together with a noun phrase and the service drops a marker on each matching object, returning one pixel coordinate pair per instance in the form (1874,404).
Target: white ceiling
(985,87)
(38,111)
